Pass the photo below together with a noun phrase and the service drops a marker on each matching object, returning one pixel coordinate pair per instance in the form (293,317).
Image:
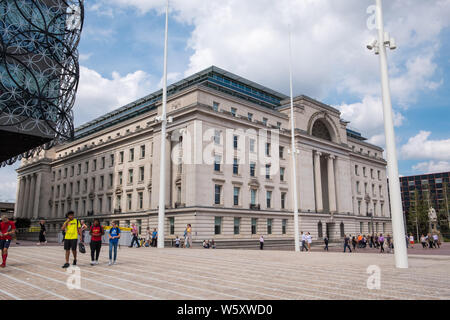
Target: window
(268,149)
(283,226)
(365,187)
(282,174)
(237,225)
(141,200)
(130,176)
(341,227)
(254,225)
(371,173)
(131,155)
(281,152)
(278,125)
(216,106)
(111,177)
(319,230)
(216,136)
(118,204)
(86,167)
(103,162)
(236,191)
(94,166)
(252,145)
(253,196)
(252,169)
(79,169)
(381,209)
(235,166)
(129,201)
(283,200)
(233,112)
(121,157)
(235,142)
(85,182)
(359,207)
(141,174)
(361,227)
(78,186)
(120,178)
(143,151)
(109,199)
(269,199)
(250,116)
(93,183)
(267,171)
(100,204)
(217,193)
(364,171)
(217,225)
(102,182)
(217,160)
(357,187)
(65,173)
(111,160)
(264,121)
(172,225)
(269,226)
(59,174)
(356,169)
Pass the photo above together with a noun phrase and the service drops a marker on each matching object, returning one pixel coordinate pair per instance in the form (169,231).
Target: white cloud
(8,183)
(98,95)
(432,167)
(420,147)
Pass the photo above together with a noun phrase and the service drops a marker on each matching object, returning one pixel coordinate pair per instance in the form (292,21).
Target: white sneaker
(92,262)
(110,263)
(114,262)
(96,262)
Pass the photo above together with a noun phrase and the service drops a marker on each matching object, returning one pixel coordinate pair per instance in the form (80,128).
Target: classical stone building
(223,128)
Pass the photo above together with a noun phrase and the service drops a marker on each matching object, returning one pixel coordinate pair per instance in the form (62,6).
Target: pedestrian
(371,242)
(154,238)
(42,232)
(304,241)
(134,234)
(189,235)
(7,230)
(411,240)
(261,242)
(377,243)
(388,243)
(309,241)
(185,238)
(381,242)
(177,242)
(213,244)
(84,227)
(148,236)
(96,232)
(430,241)
(347,243)
(205,244)
(72,228)
(114,236)
(436,240)
(423,241)
(325,240)
(353,242)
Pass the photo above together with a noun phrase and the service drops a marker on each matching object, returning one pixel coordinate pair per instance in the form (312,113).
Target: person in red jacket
(7,229)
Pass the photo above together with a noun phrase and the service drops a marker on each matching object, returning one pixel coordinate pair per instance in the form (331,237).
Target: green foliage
(418,220)
(22,223)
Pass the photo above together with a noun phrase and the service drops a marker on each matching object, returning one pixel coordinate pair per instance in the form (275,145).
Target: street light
(379,46)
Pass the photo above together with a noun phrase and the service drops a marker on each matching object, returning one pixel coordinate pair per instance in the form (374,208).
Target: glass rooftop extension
(212,77)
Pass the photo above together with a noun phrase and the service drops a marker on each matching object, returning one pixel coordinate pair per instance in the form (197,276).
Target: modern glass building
(38,74)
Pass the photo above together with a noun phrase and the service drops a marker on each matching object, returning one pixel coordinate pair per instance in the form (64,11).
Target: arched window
(321,131)
(342,230)
(319,230)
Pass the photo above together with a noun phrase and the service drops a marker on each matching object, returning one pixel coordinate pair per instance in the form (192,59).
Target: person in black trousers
(347,243)
(96,231)
(42,232)
(325,240)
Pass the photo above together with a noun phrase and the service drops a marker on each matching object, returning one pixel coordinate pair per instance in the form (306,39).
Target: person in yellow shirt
(72,227)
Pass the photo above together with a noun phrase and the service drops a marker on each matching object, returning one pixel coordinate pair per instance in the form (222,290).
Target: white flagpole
(162,172)
(293,152)
(400,252)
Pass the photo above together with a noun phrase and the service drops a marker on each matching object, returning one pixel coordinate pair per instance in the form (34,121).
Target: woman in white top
(411,240)
(309,240)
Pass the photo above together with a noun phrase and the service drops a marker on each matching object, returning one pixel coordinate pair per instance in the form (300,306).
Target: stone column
(19,197)
(337,185)
(318,181)
(37,192)
(31,196)
(331,184)
(26,201)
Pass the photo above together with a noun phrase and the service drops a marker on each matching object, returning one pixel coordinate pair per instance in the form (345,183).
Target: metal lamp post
(163,119)
(379,46)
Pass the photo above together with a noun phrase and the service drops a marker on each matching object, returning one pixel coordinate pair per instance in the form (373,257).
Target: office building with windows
(228,171)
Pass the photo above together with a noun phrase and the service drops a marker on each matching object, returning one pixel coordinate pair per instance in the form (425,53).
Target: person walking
(114,236)
(96,232)
(189,235)
(309,240)
(381,242)
(423,241)
(261,243)
(436,240)
(148,237)
(371,242)
(347,243)
(213,244)
(177,241)
(7,230)
(304,241)
(325,240)
(134,233)
(430,241)
(353,242)
(411,240)
(154,238)
(84,227)
(388,243)
(42,232)
(72,228)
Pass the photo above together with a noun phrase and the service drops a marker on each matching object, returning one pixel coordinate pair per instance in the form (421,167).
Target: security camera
(392,44)
(387,38)
(372,44)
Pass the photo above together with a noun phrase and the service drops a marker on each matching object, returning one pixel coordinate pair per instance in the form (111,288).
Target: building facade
(228,171)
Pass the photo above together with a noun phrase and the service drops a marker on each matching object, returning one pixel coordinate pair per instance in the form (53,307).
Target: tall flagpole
(401,254)
(293,152)
(162,172)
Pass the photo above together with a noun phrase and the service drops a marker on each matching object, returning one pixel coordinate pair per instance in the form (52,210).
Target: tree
(418,216)
(22,223)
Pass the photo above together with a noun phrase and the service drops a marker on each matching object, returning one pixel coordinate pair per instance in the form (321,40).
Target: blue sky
(121,53)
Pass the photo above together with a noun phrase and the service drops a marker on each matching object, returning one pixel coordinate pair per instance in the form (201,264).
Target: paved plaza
(148,273)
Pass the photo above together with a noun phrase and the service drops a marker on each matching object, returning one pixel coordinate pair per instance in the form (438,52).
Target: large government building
(228,171)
